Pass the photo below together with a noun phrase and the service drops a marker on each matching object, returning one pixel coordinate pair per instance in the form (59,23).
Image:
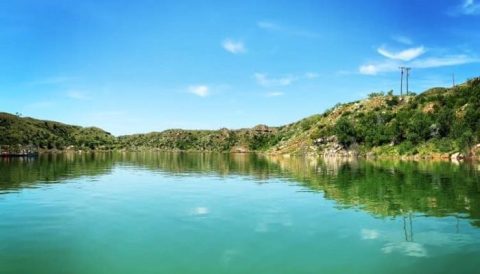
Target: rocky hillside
(439,122)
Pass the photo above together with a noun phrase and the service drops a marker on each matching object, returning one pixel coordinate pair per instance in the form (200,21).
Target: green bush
(345,132)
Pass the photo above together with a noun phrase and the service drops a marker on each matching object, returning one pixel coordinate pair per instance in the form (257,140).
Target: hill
(17,132)
(439,122)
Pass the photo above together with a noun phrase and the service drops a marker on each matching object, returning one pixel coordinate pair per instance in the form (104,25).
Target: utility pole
(401,80)
(408,74)
(453,80)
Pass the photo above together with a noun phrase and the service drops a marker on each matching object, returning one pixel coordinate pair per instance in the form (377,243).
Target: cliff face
(439,122)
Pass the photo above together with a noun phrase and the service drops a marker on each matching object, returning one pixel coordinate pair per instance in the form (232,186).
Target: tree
(345,132)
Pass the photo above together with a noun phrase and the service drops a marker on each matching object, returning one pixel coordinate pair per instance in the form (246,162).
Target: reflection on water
(236,213)
(383,188)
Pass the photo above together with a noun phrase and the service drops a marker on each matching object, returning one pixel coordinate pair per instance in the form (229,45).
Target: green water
(220,213)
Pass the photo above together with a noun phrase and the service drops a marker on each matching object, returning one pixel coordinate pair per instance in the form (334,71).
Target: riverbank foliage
(439,120)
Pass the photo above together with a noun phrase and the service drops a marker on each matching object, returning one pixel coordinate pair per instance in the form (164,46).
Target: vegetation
(438,121)
(16,132)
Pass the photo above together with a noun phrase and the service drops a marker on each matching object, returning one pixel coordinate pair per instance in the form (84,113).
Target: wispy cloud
(423,63)
(266,25)
(52,80)
(411,57)
(403,39)
(375,68)
(199,90)
(467,7)
(274,94)
(233,46)
(77,95)
(266,81)
(311,75)
(404,55)
(451,60)
(275,27)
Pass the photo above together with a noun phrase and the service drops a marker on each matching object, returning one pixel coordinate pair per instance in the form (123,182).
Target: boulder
(457,156)
(239,149)
(475,150)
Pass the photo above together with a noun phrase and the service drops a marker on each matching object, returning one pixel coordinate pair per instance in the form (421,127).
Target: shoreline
(435,157)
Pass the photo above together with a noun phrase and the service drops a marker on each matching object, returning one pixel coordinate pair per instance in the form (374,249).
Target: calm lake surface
(222,213)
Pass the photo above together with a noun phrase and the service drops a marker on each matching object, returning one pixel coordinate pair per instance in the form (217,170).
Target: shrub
(345,132)
(376,94)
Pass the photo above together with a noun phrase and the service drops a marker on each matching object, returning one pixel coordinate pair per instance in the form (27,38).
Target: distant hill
(22,131)
(438,122)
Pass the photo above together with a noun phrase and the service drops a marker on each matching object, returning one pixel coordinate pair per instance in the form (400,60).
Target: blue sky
(140,66)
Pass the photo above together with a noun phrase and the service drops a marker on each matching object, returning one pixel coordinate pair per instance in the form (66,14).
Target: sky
(141,66)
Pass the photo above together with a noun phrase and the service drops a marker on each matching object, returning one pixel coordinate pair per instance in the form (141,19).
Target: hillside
(438,122)
(17,132)
(258,138)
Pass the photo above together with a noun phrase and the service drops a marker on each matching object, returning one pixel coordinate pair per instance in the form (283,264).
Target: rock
(332,139)
(239,149)
(319,141)
(475,151)
(457,156)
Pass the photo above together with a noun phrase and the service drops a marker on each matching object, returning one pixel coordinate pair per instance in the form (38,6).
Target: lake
(236,213)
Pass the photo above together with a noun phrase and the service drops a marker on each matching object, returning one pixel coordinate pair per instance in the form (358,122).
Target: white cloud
(369,234)
(469,7)
(199,90)
(311,75)
(77,95)
(369,69)
(264,80)
(233,46)
(374,69)
(396,60)
(451,60)
(402,39)
(274,94)
(270,26)
(52,80)
(286,80)
(266,25)
(404,55)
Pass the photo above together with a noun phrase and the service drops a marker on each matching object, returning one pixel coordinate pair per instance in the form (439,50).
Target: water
(221,213)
